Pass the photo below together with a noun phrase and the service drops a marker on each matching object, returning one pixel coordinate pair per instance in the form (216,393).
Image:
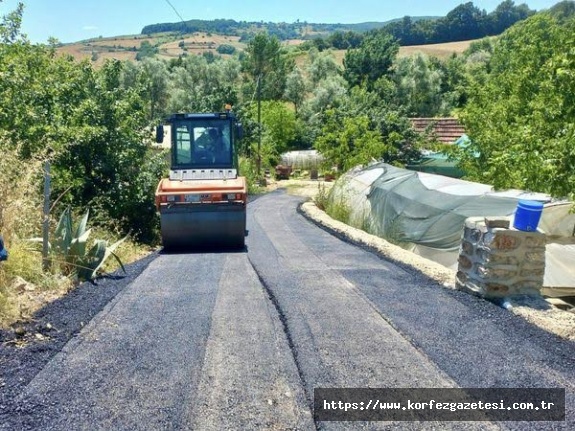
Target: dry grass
(199,43)
(121,47)
(20,219)
(24,286)
(440,50)
(84,52)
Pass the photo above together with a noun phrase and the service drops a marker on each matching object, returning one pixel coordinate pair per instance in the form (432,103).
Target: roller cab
(203,202)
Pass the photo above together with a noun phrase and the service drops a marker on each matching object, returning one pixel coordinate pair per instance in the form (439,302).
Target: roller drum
(203,226)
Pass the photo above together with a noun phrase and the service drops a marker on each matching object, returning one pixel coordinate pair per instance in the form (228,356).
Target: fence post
(46,220)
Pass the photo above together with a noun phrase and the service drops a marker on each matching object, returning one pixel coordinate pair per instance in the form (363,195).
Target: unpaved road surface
(216,341)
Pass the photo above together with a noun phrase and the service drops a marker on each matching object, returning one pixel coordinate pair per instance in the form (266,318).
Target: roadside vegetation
(94,123)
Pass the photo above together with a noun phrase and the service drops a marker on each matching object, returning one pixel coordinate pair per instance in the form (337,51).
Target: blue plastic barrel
(527,215)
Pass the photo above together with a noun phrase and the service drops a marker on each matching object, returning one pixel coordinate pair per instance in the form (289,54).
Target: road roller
(203,202)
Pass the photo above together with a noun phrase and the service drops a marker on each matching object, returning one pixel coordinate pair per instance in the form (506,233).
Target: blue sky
(74,20)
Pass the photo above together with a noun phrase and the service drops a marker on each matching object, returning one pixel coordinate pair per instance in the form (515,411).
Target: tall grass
(22,280)
(20,219)
(247,169)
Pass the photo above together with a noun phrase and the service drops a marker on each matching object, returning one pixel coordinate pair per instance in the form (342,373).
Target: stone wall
(496,261)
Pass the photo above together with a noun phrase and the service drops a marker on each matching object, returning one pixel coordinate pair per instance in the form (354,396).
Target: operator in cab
(220,147)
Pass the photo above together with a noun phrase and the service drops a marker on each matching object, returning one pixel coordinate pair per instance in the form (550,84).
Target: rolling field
(441,50)
(170,46)
(125,47)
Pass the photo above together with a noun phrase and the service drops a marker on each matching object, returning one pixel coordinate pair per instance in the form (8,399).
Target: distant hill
(283,31)
(439,37)
(464,22)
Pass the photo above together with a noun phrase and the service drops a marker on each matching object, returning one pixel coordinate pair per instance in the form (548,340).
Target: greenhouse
(425,213)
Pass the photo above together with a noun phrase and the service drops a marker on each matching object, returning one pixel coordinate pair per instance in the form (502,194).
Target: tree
(364,128)
(321,65)
(278,127)
(462,23)
(348,142)
(295,88)
(151,78)
(146,50)
(226,49)
(104,157)
(507,14)
(418,86)
(329,93)
(10,25)
(563,10)
(522,116)
(372,60)
(199,86)
(266,64)
(266,69)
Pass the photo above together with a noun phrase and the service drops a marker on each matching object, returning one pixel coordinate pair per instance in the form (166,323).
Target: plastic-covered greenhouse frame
(425,213)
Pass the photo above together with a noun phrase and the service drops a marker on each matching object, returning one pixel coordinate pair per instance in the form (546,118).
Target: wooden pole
(259,159)
(46,220)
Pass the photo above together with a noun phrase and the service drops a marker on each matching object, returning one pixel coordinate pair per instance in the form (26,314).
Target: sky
(75,20)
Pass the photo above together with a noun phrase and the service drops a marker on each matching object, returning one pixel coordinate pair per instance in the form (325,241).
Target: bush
(226,49)
(68,248)
(248,170)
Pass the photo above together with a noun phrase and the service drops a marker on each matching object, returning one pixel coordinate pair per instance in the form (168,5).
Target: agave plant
(69,248)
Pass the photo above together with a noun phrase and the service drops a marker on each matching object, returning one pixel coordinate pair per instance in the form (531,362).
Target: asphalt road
(221,341)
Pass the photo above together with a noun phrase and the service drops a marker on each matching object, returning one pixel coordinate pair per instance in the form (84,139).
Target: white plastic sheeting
(425,213)
(305,159)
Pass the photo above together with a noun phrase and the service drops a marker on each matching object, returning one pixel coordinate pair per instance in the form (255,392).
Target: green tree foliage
(36,101)
(10,25)
(295,88)
(349,141)
(200,86)
(563,10)
(418,84)
(151,78)
(320,66)
(279,130)
(345,40)
(505,15)
(105,158)
(464,22)
(329,93)
(362,129)
(146,50)
(266,62)
(226,49)
(371,61)
(522,115)
(89,125)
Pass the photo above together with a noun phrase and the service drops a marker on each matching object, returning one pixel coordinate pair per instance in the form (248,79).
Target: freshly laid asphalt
(239,340)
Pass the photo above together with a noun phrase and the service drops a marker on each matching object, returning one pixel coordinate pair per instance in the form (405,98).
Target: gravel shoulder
(538,312)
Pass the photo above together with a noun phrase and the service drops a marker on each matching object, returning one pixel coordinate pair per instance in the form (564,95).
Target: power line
(177,13)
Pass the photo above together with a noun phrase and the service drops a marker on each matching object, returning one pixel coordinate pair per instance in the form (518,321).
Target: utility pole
(259,159)
(46,221)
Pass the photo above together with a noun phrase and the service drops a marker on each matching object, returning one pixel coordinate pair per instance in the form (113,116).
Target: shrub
(68,248)
(226,49)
